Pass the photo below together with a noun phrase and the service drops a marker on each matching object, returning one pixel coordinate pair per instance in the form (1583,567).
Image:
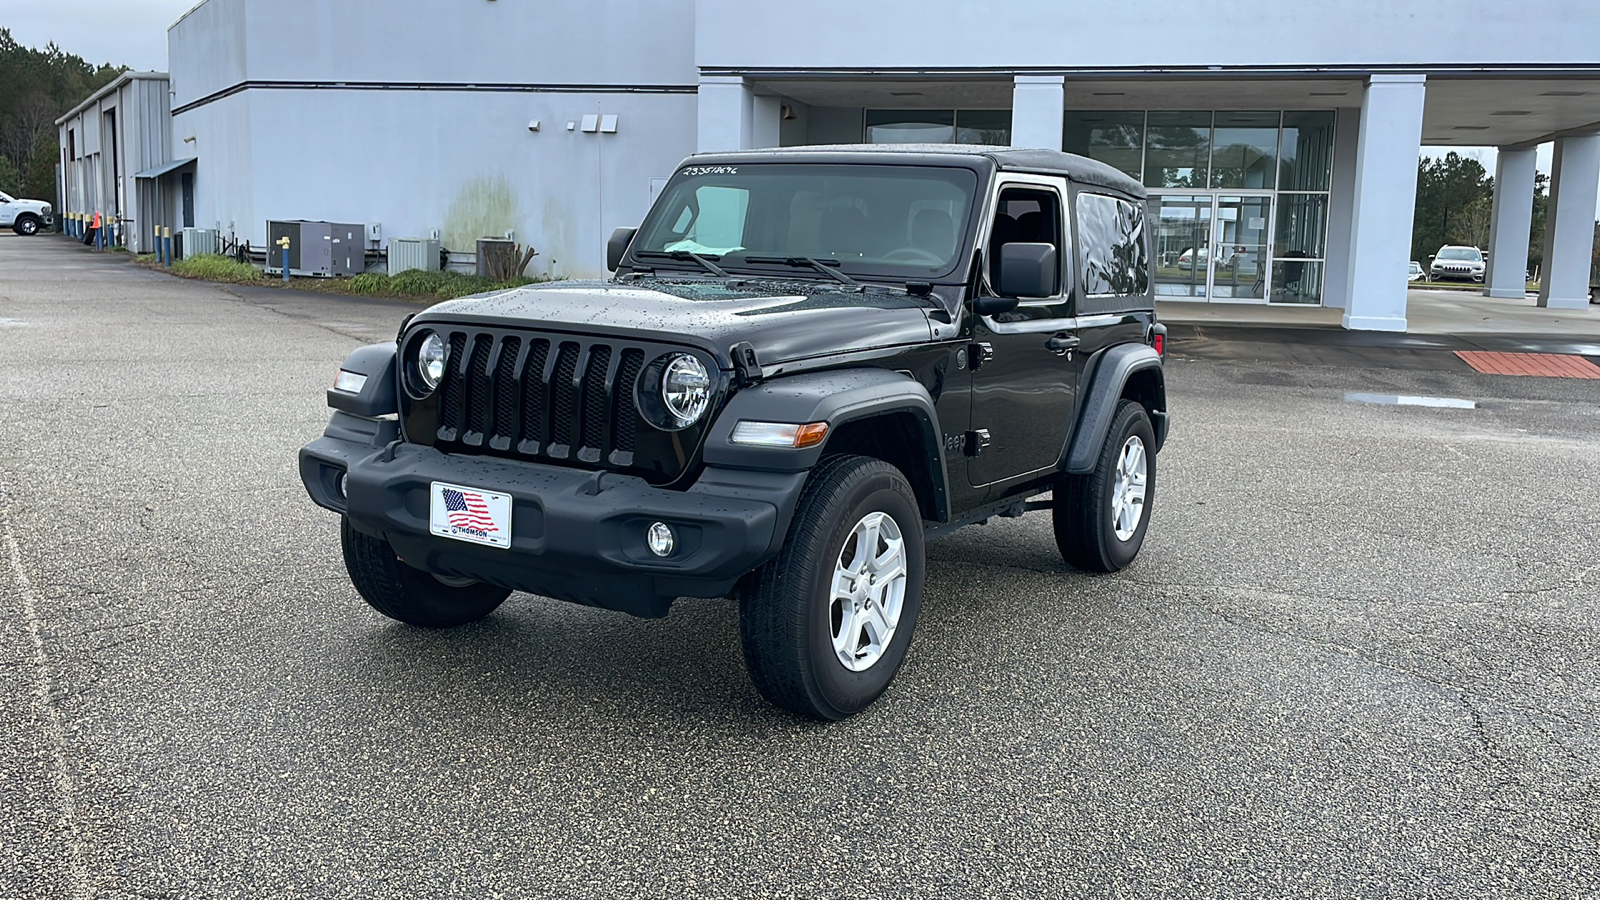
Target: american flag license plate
(471,514)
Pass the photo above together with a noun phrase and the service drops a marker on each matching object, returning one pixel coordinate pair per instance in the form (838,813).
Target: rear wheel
(1100,518)
(26,225)
(826,625)
(408,594)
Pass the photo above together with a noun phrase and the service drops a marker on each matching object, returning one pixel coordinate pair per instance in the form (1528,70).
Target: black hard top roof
(1051,162)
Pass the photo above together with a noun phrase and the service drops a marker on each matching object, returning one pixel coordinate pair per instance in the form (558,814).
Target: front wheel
(408,594)
(826,625)
(1100,518)
(27,226)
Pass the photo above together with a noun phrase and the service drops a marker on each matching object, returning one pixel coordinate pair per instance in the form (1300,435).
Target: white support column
(1509,224)
(1038,104)
(726,113)
(1569,223)
(1385,197)
(766,112)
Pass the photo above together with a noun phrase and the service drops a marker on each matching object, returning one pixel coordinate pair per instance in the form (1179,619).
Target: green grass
(414,284)
(418,283)
(216,268)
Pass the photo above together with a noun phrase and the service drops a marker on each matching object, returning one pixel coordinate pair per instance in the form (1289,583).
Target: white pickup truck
(25,217)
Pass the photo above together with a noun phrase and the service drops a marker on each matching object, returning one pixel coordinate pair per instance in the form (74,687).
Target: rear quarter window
(1116,264)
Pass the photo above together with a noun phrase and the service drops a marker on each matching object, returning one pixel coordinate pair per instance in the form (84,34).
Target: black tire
(1083,509)
(411,595)
(26,225)
(786,621)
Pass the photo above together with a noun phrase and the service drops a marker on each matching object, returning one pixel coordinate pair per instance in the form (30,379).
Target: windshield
(898,221)
(1463,253)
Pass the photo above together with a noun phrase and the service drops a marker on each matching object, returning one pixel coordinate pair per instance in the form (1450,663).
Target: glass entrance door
(1213,246)
(1239,261)
(1183,245)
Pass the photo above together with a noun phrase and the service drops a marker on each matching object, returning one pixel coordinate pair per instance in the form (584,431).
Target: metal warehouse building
(1279,141)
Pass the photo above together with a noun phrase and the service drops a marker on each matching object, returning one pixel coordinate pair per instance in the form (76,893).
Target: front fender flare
(836,397)
(378,396)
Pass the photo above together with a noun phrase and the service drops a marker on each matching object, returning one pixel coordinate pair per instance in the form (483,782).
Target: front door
(1213,246)
(1023,374)
(1239,265)
(1183,246)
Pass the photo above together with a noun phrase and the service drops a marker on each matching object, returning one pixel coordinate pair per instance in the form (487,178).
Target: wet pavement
(1359,655)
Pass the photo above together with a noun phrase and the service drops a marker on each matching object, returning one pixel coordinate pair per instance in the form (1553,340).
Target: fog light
(659,537)
(344,484)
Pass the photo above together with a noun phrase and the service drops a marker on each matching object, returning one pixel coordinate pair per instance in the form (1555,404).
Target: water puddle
(1406,400)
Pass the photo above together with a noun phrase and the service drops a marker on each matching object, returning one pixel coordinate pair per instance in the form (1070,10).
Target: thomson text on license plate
(470,514)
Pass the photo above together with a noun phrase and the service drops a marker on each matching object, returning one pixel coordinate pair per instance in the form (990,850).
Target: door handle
(1061,344)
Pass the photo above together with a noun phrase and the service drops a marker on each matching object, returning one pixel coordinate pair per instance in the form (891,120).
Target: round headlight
(432,354)
(685,389)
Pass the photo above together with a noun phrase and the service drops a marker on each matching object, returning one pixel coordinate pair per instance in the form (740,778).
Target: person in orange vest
(94,230)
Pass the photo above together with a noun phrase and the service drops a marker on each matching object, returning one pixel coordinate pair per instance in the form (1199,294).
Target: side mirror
(618,245)
(1028,270)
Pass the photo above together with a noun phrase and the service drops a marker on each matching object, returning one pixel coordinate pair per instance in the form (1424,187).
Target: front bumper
(576,535)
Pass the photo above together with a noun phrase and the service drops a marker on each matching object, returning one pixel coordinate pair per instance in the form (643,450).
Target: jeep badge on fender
(771,400)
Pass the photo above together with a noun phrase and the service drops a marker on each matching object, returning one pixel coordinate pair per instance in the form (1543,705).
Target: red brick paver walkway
(1549,365)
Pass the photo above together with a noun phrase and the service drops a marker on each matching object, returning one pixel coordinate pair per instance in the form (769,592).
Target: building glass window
(911,126)
(1296,280)
(939,126)
(1306,158)
(1178,150)
(1244,150)
(1302,225)
(1114,137)
(984,126)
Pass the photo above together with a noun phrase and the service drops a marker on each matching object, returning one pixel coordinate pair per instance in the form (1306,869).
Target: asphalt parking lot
(1359,656)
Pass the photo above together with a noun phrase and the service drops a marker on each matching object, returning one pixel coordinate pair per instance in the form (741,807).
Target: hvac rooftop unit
(317,249)
(413,253)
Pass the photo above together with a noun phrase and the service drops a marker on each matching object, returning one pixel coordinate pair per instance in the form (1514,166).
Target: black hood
(782,321)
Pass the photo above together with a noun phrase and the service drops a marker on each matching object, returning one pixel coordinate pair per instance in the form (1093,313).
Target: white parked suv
(24,216)
(1463,263)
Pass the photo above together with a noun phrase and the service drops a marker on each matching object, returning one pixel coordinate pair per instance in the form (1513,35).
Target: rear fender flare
(1109,376)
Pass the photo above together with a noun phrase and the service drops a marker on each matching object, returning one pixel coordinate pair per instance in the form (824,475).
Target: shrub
(371,283)
(446,285)
(211,267)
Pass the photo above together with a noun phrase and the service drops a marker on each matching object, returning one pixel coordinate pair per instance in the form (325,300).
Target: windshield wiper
(825,266)
(684,255)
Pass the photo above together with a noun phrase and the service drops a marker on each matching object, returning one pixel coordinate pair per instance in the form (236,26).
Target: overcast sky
(134,33)
(121,32)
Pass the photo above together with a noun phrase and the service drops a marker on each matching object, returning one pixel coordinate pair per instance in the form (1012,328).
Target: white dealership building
(1279,141)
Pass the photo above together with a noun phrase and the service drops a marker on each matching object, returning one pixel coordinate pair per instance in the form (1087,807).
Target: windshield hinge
(745,363)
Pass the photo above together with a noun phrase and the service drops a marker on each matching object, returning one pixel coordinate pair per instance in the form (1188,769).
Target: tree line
(36,88)
(1455,200)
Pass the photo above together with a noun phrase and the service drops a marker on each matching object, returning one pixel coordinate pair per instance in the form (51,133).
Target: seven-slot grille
(536,396)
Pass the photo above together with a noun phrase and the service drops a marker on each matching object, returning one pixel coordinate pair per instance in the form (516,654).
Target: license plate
(470,514)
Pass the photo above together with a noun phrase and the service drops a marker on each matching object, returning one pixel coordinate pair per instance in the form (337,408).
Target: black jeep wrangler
(809,361)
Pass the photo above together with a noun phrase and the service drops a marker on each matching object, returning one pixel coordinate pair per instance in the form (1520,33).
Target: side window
(1026,215)
(1115,262)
